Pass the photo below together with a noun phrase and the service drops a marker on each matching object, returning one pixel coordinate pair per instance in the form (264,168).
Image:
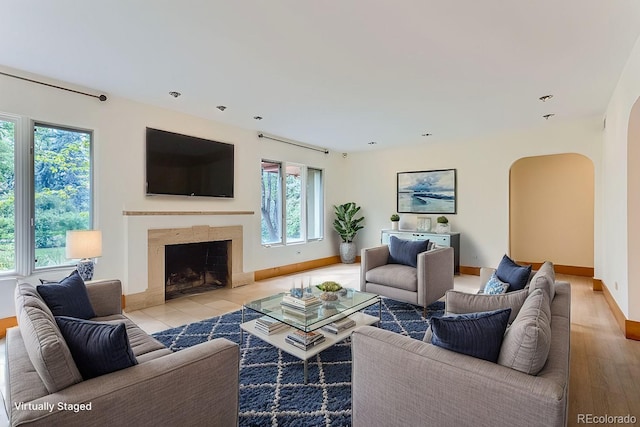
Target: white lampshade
(84,244)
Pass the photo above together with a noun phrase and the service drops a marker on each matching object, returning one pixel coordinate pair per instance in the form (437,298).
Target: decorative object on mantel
(347,226)
(443,226)
(84,244)
(395,218)
(423,224)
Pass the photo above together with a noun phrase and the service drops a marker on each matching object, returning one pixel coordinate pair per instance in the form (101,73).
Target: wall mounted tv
(188,166)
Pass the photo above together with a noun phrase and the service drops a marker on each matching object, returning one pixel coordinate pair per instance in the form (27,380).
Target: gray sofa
(398,380)
(419,286)
(192,387)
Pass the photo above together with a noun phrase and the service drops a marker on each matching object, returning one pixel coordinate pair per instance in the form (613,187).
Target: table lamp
(84,245)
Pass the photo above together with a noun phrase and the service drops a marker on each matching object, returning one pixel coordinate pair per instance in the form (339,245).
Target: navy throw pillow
(474,334)
(97,348)
(515,275)
(69,297)
(405,251)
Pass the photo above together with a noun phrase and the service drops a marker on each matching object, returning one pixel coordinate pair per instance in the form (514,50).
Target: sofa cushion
(394,275)
(97,348)
(474,334)
(45,345)
(405,251)
(68,297)
(456,302)
(527,341)
(544,279)
(495,286)
(515,275)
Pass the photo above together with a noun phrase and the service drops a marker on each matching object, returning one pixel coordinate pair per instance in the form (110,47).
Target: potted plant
(395,218)
(443,226)
(347,226)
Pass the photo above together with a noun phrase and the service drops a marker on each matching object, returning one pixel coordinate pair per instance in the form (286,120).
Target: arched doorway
(551,209)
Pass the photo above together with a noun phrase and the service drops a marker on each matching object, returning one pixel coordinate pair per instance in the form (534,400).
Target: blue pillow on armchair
(474,334)
(405,251)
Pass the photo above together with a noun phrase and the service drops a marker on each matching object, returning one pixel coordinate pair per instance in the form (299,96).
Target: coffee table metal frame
(350,305)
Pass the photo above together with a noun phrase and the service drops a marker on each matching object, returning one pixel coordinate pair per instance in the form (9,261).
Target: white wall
(483,166)
(616,265)
(119,141)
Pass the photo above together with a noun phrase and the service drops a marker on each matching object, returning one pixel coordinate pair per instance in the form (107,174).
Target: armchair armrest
(435,274)
(371,258)
(105,297)
(168,390)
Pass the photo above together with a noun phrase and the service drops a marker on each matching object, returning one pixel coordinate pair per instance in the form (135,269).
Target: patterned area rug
(272,389)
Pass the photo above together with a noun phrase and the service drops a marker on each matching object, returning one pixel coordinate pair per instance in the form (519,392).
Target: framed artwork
(427,192)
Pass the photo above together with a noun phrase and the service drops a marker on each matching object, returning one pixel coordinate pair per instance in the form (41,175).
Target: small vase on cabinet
(443,228)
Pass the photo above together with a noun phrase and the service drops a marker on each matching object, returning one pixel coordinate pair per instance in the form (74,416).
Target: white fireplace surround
(159,238)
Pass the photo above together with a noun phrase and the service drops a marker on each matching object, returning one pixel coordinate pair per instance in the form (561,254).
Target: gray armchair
(420,286)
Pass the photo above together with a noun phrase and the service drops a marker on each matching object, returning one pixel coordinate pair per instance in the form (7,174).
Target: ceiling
(337,74)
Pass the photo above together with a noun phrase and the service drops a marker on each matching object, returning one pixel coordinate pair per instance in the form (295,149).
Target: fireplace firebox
(196,267)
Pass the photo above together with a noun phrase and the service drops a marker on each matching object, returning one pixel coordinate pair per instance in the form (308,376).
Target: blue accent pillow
(405,251)
(97,348)
(474,334)
(495,286)
(515,275)
(69,297)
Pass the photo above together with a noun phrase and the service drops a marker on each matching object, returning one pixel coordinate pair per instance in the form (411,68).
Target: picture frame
(427,192)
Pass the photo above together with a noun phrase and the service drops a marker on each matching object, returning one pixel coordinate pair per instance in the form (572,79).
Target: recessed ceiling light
(372,143)
(548,116)
(427,134)
(545,98)
(175,94)
(221,107)
(257,117)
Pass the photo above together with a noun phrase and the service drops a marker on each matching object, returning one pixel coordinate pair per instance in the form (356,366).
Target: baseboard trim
(630,328)
(6,323)
(563,269)
(283,270)
(597,285)
(473,271)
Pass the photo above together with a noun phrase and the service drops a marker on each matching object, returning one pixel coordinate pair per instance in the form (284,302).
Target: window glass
(7,197)
(271,206)
(62,190)
(293,204)
(315,205)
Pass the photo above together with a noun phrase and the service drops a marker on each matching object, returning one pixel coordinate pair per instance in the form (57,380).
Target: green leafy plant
(395,217)
(329,286)
(346,224)
(442,220)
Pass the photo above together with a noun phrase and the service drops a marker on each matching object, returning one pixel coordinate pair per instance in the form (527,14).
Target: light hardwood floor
(605,367)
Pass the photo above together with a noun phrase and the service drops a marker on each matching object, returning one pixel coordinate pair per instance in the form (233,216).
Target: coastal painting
(427,192)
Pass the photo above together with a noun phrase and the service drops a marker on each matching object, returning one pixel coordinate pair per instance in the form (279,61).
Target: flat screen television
(188,166)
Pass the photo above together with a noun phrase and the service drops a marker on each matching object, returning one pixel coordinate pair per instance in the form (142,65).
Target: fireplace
(196,267)
(158,239)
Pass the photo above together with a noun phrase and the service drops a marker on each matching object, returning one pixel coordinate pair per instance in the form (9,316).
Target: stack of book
(339,326)
(304,340)
(307,302)
(267,325)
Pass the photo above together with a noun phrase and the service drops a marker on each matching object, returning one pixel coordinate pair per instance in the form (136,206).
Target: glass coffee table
(349,304)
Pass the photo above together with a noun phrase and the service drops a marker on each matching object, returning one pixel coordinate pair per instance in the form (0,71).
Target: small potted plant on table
(443,226)
(395,218)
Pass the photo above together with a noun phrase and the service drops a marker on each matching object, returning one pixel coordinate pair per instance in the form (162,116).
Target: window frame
(24,202)
(304,220)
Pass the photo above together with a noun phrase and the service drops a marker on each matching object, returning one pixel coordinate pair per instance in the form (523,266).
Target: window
(292,203)
(45,190)
(7,195)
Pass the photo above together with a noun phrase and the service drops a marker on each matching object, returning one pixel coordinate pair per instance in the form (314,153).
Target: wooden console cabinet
(448,239)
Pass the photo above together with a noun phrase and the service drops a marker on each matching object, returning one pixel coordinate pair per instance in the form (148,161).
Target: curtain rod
(100,97)
(322,150)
